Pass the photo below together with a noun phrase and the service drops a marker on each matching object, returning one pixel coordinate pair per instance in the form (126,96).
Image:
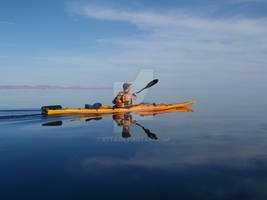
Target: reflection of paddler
(124,120)
(126,132)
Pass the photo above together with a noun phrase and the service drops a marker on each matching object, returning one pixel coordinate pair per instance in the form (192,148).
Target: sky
(187,43)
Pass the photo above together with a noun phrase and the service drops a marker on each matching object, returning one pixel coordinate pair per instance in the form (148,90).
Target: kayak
(110,109)
(57,110)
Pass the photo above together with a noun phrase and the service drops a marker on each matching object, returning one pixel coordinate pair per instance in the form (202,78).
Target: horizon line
(51,87)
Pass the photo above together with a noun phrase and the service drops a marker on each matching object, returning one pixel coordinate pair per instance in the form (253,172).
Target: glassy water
(217,152)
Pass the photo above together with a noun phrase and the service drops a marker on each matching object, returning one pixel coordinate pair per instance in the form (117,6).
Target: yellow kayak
(57,110)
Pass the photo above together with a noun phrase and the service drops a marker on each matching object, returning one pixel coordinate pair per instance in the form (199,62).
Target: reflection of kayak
(134,108)
(141,113)
(92,117)
(146,113)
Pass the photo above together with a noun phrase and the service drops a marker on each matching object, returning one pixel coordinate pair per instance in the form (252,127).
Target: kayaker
(124,99)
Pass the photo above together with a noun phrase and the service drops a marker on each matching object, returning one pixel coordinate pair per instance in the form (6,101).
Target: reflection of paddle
(56,123)
(149,134)
(150,84)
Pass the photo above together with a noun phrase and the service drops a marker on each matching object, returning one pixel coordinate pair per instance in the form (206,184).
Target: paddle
(150,84)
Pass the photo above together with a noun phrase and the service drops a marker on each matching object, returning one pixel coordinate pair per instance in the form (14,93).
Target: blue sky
(197,43)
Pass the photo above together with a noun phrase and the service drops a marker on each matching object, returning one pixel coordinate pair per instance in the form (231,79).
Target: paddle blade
(150,84)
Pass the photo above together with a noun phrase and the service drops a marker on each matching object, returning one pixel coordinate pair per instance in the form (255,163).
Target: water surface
(217,152)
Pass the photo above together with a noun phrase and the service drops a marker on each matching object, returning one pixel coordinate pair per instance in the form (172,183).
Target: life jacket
(120,100)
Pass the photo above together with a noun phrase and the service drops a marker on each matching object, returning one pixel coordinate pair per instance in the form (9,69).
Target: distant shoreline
(12,87)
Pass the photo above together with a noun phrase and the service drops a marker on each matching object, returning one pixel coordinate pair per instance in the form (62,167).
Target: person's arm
(134,97)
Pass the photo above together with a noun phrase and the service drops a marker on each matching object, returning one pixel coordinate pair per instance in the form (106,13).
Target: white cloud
(178,41)
(6,22)
(250,1)
(141,19)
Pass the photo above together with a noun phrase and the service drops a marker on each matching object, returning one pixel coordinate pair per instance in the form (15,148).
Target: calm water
(217,152)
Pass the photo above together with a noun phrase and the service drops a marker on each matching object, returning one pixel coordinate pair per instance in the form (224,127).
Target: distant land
(51,87)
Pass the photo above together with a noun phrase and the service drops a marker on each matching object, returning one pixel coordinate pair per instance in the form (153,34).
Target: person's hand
(134,94)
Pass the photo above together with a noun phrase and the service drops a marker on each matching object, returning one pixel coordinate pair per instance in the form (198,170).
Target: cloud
(178,41)
(249,1)
(6,22)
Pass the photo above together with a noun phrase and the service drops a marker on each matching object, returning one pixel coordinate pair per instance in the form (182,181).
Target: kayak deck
(134,108)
